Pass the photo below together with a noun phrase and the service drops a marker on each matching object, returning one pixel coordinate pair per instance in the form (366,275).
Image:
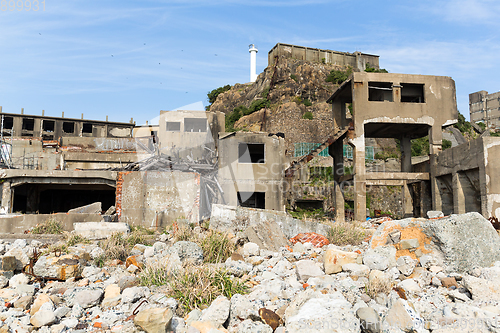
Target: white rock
(130,295)
(250,326)
(90,270)
(406,265)
(88,298)
(18,279)
(356,269)
(307,269)
(149,252)
(410,286)
(42,318)
(251,249)
(218,311)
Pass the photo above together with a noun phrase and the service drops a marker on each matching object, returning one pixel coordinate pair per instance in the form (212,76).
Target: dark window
(251,153)
(380,91)
(252,199)
(48,125)
(8,122)
(412,93)
(87,128)
(28,124)
(195,125)
(173,126)
(68,127)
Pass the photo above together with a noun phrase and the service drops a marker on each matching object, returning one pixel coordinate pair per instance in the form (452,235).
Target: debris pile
(414,275)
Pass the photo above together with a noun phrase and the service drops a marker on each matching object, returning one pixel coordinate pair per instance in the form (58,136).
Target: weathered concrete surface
(459,243)
(156,198)
(234,219)
(99,230)
(93,208)
(17,224)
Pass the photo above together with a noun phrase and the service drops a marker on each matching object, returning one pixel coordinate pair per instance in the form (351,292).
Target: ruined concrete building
(355,60)
(485,108)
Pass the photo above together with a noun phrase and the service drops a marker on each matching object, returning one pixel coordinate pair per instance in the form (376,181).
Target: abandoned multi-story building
(485,108)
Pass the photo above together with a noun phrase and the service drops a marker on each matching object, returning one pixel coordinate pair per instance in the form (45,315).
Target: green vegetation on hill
(212,95)
(463,125)
(370,69)
(337,76)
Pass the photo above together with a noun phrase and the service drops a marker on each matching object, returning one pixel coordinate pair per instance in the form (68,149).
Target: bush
(446,144)
(337,76)
(463,125)
(345,233)
(420,146)
(265,92)
(481,125)
(308,115)
(293,77)
(307,102)
(370,69)
(212,96)
(48,227)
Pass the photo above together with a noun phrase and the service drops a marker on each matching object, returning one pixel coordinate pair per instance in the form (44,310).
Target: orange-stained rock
(310,237)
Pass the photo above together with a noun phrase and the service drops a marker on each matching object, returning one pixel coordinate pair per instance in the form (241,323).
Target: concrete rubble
(426,281)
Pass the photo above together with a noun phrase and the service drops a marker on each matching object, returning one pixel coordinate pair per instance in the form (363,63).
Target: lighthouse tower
(253,62)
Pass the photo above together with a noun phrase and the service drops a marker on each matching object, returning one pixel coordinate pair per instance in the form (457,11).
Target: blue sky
(131,59)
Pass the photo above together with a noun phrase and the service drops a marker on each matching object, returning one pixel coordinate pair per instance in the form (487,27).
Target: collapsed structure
(155,174)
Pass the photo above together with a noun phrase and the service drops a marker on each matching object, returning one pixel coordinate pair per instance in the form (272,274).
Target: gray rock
(432,214)
(242,308)
(467,241)
(370,320)
(18,279)
(267,235)
(380,258)
(61,312)
(88,298)
(250,326)
(356,269)
(237,267)
(409,244)
(482,289)
(218,311)
(307,269)
(188,252)
(130,295)
(93,208)
(406,265)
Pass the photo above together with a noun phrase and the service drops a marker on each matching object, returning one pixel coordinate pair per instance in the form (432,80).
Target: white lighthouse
(253,62)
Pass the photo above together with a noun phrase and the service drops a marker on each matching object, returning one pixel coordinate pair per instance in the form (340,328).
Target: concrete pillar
(17,126)
(359,178)
(339,203)
(435,146)
(405,154)
(7,197)
(458,194)
(407,200)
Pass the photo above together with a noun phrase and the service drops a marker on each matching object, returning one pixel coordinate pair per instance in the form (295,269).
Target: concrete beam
(397,176)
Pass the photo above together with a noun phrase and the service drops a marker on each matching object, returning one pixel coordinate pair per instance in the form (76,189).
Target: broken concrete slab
(100,230)
(458,243)
(233,219)
(93,208)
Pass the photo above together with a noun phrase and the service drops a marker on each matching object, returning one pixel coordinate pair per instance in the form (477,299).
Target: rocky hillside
(289,97)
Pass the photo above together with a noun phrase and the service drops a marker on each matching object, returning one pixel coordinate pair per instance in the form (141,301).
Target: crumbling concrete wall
(234,219)
(238,176)
(466,177)
(156,199)
(17,224)
(186,132)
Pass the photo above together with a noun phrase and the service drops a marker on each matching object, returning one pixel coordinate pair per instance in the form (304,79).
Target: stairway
(289,172)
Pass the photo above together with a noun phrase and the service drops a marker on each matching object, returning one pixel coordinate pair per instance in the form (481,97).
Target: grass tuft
(377,286)
(194,287)
(216,247)
(115,247)
(77,239)
(345,233)
(48,227)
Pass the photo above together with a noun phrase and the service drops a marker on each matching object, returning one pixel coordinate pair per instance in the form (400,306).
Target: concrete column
(6,197)
(458,194)
(359,178)
(17,125)
(405,154)
(407,200)
(339,203)
(435,146)
(336,150)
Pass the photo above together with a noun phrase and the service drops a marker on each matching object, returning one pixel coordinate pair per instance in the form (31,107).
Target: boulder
(333,260)
(218,311)
(154,320)
(402,315)
(369,318)
(267,235)
(251,249)
(307,269)
(88,298)
(62,267)
(187,252)
(43,318)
